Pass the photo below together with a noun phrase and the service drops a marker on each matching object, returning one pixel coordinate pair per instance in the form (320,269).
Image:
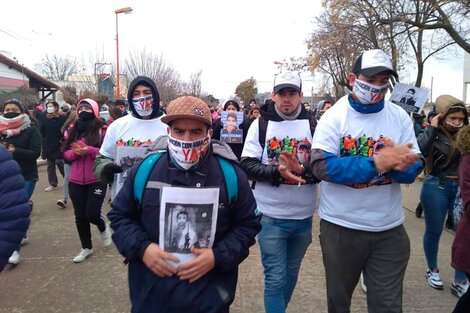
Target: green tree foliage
(247,90)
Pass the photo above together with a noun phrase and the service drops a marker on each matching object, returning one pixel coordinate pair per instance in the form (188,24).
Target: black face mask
(10,115)
(85,116)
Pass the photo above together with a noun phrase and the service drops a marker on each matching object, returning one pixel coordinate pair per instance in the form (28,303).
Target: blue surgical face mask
(367,93)
(50,110)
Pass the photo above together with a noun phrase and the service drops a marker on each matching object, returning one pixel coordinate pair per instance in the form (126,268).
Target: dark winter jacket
(435,143)
(27,150)
(441,159)
(52,136)
(14,206)
(135,228)
(461,245)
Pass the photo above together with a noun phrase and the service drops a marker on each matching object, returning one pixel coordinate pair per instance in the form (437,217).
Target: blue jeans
(283,244)
(437,197)
(66,180)
(29,186)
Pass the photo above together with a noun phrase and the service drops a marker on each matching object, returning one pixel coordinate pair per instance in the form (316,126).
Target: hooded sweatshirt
(142,80)
(132,127)
(285,201)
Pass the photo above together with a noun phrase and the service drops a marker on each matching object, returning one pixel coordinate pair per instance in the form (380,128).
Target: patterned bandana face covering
(187,153)
(368,93)
(143,105)
(451,127)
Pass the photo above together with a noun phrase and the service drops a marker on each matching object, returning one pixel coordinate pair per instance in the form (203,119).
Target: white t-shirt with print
(286,201)
(127,128)
(367,207)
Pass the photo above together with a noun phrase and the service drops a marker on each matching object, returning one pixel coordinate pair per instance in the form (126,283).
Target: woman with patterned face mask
(438,145)
(20,135)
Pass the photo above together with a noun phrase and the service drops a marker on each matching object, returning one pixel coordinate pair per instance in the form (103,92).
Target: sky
(230,41)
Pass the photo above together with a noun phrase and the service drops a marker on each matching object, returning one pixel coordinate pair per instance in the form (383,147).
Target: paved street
(48,281)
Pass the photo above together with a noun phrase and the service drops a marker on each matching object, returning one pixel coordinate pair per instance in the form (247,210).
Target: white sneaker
(106,237)
(434,279)
(62,203)
(15,258)
(50,188)
(25,240)
(82,255)
(458,289)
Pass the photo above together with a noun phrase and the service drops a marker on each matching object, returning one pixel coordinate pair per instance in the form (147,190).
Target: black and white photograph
(127,157)
(188,218)
(187,225)
(409,97)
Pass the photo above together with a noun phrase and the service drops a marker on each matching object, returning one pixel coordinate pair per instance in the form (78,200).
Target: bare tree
(450,16)
(194,85)
(28,96)
(346,28)
(59,68)
(147,63)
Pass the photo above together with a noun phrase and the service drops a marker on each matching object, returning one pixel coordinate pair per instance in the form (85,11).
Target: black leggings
(87,204)
(463,306)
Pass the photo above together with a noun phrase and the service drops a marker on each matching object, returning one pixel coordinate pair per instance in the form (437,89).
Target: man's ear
(210,132)
(168,130)
(351,79)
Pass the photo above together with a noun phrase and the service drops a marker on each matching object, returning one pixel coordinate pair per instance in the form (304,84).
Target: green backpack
(147,165)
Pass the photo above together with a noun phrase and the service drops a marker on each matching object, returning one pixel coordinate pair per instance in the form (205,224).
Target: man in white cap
(287,204)
(363,149)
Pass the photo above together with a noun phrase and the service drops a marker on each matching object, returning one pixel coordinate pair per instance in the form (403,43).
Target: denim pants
(437,197)
(283,244)
(66,180)
(29,186)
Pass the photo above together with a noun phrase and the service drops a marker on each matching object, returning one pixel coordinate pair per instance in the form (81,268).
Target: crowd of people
(212,182)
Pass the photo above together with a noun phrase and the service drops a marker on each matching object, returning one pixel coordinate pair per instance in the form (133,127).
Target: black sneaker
(62,203)
(419,210)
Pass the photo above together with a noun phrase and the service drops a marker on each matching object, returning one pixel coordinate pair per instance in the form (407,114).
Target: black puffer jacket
(27,150)
(52,136)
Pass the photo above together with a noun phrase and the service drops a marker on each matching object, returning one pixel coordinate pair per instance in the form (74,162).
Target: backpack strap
(145,168)
(143,174)
(263,126)
(231,180)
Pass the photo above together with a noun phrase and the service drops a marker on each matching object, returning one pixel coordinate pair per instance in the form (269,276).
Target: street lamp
(126,10)
(280,64)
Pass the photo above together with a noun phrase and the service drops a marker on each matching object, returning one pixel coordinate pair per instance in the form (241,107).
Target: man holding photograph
(207,283)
